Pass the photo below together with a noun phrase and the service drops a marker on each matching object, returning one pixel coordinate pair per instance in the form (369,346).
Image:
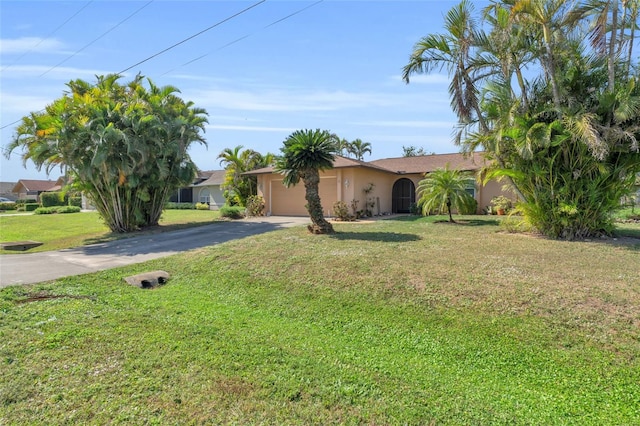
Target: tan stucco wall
(347,184)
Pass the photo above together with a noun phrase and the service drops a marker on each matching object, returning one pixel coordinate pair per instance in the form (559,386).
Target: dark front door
(403,196)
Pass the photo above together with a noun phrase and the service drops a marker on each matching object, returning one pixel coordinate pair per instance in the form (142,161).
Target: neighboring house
(185,195)
(206,188)
(31,188)
(210,190)
(394,180)
(6,190)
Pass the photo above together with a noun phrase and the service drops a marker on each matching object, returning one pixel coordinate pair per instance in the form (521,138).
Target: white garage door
(291,201)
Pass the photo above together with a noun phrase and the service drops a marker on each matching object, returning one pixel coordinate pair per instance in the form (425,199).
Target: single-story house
(32,188)
(385,186)
(210,190)
(206,188)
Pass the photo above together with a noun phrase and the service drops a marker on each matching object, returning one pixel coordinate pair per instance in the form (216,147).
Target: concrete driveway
(44,266)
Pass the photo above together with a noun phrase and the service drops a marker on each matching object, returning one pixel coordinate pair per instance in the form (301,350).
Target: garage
(291,202)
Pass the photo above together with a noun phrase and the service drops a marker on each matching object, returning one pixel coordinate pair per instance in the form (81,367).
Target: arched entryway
(403,196)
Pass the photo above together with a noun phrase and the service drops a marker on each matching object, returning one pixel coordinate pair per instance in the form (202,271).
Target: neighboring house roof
(7,187)
(34,185)
(402,165)
(215,177)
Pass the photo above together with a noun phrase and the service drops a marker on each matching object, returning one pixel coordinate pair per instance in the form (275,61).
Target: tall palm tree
(304,154)
(445,188)
(358,148)
(453,50)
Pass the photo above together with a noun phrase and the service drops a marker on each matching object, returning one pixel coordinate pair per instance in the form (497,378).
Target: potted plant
(501,204)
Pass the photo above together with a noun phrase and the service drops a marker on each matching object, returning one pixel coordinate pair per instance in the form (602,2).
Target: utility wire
(48,36)
(159,53)
(93,41)
(243,37)
(193,36)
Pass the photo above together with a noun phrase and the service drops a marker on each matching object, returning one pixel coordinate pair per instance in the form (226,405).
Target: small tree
(445,188)
(304,154)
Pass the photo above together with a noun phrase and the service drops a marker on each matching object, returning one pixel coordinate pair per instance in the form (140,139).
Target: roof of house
(215,177)
(429,163)
(7,187)
(34,185)
(402,165)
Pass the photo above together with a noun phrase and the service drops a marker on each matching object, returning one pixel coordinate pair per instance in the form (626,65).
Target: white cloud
(250,128)
(290,101)
(410,123)
(424,79)
(32,44)
(58,73)
(22,104)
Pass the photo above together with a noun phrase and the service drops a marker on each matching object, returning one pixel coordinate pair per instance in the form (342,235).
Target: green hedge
(23,201)
(57,209)
(29,207)
(8,206)
(52,199)
(75,201)
(179,206)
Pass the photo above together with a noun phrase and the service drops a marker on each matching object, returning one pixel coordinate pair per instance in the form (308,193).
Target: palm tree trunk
(319,224)
(449,210)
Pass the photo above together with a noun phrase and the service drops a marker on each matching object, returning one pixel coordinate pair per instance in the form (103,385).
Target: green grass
(61,231)
(393,322)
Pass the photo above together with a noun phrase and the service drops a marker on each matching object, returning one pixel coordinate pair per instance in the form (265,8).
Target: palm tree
(304,154)
(445,188)
(359,148)
(125,146)
(453,51)
(236,161)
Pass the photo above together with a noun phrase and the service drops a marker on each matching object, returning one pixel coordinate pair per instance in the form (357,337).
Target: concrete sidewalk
(18,269)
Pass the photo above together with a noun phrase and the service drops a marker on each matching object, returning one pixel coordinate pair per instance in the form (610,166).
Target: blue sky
(335,66)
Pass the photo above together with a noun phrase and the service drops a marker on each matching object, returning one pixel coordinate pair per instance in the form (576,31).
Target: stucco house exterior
(391,183)
(210,190)
(32,188)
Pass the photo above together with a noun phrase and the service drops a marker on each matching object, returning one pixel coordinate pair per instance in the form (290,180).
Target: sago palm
(304,154)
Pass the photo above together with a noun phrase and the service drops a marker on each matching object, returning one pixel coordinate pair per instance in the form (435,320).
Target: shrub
(46,210)
(179,206)
(8,206)
(68,209)
(469,208)
(232,212)
(341,211)
(76,201)
(24,201)
(51,199)
(202,206)
(255,205)
(29,207)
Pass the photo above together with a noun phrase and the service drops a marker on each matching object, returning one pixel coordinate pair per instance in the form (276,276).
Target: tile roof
(429,163)
(401,165)
(35,185)
(215,177)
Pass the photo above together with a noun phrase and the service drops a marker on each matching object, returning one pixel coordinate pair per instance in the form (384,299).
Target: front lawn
(59,231)
(393,322)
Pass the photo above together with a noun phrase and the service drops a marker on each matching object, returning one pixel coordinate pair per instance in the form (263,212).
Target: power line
(49,35)
(152,56)
(244,37)
(98,38)
(193,36)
